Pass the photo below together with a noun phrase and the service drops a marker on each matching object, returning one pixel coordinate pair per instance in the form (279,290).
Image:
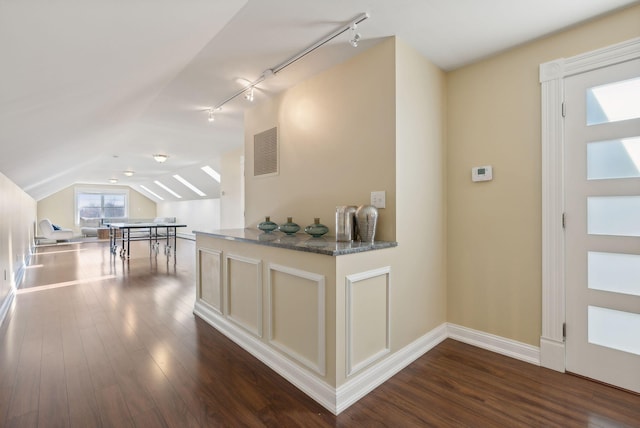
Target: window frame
(99,191)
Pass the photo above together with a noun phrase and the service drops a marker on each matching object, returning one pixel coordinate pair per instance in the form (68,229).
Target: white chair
(48,232)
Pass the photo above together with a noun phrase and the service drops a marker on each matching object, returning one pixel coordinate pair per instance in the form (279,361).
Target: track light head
(354,40)
(355,37)
(249,95)
(211,116)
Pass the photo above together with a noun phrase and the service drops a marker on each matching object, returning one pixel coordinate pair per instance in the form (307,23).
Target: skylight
(212,172)
(189,185)
(151,193)
(167,189)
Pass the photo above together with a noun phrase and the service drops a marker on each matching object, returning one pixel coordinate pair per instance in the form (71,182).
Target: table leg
(128,243)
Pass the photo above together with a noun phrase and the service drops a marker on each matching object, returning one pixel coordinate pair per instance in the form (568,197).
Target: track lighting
(248,91)
(355,38)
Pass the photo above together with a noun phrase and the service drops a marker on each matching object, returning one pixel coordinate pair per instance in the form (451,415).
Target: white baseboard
(510,348)
(338,399)
(334,400)
(304,380)
(552,354)
(376,375)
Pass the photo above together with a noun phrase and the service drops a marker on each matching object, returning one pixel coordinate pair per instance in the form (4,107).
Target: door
(602,224)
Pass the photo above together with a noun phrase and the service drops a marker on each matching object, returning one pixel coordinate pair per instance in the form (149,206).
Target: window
(101,204)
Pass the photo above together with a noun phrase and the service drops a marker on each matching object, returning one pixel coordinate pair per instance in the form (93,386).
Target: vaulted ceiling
(91,88)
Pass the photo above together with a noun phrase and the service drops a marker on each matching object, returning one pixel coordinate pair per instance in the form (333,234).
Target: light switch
(378,199)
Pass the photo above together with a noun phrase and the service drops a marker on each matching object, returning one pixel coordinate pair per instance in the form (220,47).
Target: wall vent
(265,152)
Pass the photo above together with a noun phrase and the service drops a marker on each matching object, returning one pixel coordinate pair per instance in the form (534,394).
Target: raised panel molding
(218,255)
(257,265)
(319,365)
(552,75)
(352,366)
(360,384)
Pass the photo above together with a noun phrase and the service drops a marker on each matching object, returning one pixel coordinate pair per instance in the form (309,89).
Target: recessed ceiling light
(128,173)
(160,158)
(113,180)
(151,193)
(189,185)
(167,189)
(212,172)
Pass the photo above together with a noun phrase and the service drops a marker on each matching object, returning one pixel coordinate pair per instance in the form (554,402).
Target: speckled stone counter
(326,245)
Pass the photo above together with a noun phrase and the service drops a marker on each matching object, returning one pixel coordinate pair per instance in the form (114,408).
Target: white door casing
(552,79)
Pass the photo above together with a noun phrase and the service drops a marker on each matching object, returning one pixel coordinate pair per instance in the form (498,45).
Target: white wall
(17,228)
(232,190)
(202,214)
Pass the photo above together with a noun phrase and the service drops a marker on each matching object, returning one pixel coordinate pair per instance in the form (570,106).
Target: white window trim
(552,75)
(100,190)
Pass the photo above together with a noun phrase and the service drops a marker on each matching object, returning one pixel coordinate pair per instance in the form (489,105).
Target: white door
(602,217)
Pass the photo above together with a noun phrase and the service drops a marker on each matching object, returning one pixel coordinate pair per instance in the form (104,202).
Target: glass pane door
(602,234)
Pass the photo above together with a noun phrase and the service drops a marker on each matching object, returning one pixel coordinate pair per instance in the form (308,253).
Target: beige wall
(494,228)
(419,278)
(336,133)
(60,207)
(375,122)
(17,231)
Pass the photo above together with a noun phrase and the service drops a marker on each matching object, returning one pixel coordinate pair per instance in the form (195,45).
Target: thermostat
(481,173)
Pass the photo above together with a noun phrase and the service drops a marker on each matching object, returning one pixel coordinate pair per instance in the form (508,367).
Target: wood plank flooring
(94,342)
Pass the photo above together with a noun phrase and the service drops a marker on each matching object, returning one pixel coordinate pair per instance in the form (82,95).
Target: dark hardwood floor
(92,341)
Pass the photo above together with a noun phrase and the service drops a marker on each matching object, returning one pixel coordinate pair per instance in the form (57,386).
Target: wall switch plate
(482,173)
(378,199)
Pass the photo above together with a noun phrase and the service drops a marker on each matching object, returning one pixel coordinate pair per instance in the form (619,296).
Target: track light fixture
(248,90)
(248,95)
(355,37)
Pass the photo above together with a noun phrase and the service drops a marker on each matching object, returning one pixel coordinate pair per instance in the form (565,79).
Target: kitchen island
(315,310)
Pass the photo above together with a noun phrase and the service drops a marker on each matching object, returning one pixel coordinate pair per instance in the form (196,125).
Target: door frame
(552,75)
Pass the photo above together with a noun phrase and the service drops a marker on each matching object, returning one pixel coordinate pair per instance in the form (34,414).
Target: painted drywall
(200,214)
(60,207)
(494,228)
(17,231)
(375,122)
(232,189)
(419,278)
(336,133)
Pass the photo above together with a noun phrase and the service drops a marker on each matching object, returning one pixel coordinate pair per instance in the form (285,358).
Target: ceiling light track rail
(278,68)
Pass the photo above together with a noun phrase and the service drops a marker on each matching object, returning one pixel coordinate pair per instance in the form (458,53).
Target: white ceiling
(90,88)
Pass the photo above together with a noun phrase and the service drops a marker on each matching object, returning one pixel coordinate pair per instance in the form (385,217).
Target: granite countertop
(326,245)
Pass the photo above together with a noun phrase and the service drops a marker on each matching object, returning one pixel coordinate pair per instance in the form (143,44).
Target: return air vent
(265,152)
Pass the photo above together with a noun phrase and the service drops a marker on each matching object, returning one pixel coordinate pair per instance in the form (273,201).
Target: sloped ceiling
(89,89)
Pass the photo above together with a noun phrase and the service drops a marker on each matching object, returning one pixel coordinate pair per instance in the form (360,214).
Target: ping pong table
(127,232)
